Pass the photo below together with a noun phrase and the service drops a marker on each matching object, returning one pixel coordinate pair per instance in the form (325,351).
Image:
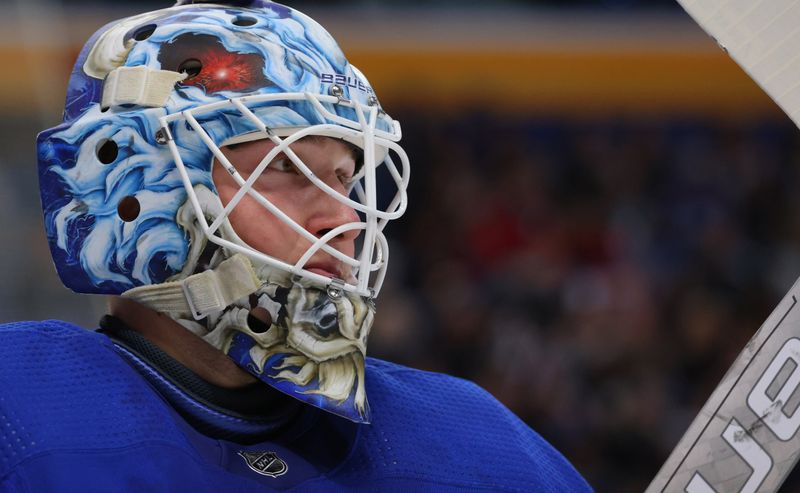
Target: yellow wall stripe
(577,81)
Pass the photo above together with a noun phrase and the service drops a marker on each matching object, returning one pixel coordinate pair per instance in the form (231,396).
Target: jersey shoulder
(442,429)
(65,388)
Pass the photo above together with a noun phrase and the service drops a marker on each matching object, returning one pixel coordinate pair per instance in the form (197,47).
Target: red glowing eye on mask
(218,69)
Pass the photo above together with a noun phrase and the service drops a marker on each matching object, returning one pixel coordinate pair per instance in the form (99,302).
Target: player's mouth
(327,269)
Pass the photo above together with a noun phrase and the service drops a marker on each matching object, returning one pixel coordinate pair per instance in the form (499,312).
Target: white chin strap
(201,294)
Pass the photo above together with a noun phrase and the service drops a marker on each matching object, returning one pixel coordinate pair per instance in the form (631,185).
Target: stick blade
(763,37)
(746,438)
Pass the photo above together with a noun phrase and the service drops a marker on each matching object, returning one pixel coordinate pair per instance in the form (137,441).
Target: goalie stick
(745,438)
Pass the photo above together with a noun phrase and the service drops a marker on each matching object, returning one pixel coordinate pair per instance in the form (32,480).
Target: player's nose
(329,214)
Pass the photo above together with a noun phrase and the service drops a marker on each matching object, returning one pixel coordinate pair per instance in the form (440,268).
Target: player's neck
(188,349)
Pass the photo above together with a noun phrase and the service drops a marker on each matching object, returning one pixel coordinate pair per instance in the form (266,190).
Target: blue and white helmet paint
(130,207)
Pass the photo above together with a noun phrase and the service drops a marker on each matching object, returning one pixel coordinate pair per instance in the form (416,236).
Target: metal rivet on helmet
(161,137)
(336,90)
(335,289)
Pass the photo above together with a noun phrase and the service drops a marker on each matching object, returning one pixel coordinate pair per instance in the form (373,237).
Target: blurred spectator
(597,277)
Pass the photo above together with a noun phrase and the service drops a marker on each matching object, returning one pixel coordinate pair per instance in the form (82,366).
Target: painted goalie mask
(131,207)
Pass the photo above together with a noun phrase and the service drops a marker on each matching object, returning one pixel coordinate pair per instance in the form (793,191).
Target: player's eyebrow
(356,152)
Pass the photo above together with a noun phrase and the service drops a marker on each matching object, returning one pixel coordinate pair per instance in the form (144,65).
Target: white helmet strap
(140,85)
(201,294)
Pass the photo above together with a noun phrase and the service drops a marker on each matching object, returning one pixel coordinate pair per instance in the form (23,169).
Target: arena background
(603,206)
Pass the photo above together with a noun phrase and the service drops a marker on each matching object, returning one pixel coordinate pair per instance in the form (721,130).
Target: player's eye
(283,164)
(346,180)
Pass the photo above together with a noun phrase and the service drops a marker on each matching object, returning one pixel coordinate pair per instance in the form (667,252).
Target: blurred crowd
(597,277)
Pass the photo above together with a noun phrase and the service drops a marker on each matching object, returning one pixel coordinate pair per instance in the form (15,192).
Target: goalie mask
(131,206)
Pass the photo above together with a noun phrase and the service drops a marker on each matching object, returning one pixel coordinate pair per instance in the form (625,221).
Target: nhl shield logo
(265,463)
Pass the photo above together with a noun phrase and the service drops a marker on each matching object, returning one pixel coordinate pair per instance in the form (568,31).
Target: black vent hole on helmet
(107,151)
(190,67)
(244,21)
(144,32)
(129,208)
(259,320)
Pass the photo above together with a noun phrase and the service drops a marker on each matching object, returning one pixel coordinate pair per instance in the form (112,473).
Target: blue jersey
(80,411)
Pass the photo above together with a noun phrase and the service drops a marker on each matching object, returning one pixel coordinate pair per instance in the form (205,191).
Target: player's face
(286,187)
